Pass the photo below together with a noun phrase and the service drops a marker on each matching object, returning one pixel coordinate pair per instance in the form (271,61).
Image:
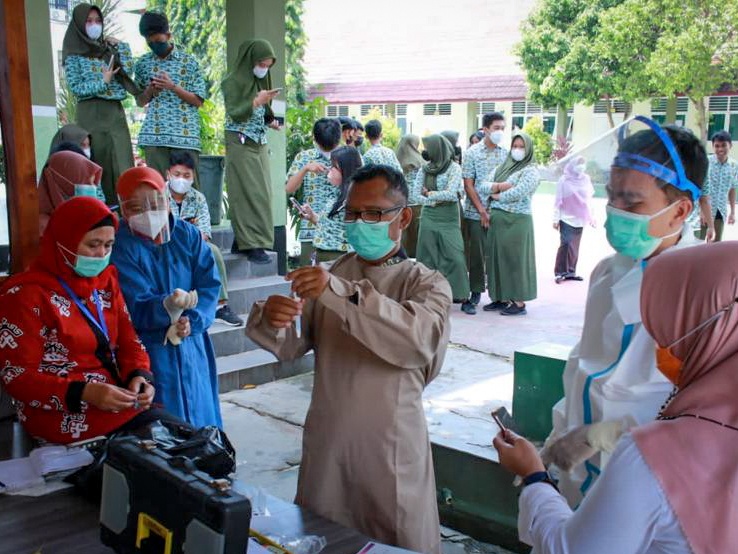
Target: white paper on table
(55,458)
(18,474)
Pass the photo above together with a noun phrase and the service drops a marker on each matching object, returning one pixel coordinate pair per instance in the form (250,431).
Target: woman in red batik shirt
(69,355)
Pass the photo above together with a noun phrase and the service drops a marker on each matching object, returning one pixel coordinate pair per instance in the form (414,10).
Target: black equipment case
(156,503)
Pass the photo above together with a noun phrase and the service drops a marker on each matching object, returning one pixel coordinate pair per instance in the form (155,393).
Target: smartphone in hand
(296,205)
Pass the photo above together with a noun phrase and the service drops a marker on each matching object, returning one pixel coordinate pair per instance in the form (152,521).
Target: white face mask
(180,185)
(94,30)
(517,154)
(150,223)
(88,152)
(496,136)
(260,72)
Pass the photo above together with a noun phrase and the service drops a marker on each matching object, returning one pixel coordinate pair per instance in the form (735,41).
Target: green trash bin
(211,172)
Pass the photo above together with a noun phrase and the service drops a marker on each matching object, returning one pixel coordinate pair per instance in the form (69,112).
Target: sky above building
(385,40)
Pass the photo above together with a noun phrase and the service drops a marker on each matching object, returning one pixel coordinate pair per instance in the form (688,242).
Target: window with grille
(616,106)
(723,115)
(335,111)
(485,107)
(366,108)
(444,109)
(436,109)
(401,110)
(523,111)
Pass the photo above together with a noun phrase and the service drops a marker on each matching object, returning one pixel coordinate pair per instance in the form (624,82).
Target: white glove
(172,336)
(178,302)
(605,436)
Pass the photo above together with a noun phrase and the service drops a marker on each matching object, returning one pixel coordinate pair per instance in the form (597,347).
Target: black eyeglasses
(369,216)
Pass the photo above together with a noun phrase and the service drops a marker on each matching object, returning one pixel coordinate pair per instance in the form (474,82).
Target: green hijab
(451,136)
(77,43)
(408,154)
(68,133)
(241,86)
(440,154)
(510,166)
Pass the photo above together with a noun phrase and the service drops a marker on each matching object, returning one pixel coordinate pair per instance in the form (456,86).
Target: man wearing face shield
(611,381)
(169,280)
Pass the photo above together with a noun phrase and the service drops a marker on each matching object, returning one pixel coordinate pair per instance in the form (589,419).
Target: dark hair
(373,129)
(722,136)
(358,125)
(396,184)
(478,134)
(181,157)
(327,133)
(690,149)
(107,221)
(489,118)
(153,23)
(348,160)
(346,123)
(67,146)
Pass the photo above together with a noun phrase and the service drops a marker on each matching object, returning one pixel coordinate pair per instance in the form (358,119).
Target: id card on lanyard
(99,322)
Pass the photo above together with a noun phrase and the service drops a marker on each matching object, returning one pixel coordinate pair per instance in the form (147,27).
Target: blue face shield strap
(675,177)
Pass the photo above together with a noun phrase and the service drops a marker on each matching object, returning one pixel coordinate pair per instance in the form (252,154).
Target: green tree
(542,142)
(390,131)
(295,42)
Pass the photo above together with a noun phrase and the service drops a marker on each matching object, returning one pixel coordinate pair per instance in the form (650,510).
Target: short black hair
(153,23)
(396,184)
(68,146)
(373,129)
(181,157)
(346,123)
(358,125)
(722,136)
(489,118)
(690,149)
(327,133)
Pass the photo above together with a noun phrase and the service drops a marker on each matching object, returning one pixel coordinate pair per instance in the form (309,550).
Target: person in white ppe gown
(611,382)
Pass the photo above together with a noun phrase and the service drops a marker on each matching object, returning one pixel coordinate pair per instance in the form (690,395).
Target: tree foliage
(542,141)
(295,42)
(390,131)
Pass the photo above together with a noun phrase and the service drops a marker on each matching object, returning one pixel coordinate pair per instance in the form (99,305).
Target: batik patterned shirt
(170,121)
(449,187)
(381,155)
(478,163)
(194,209)
(316,190)
(517,199)
(85,76)
(721,178)
(253,128)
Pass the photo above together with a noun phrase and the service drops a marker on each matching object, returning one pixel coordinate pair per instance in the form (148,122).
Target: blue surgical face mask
(85,190)
(628,233)
(86,266)
(371,241)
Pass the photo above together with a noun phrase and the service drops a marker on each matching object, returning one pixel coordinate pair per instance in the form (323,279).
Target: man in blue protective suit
(168,278)
(611,380)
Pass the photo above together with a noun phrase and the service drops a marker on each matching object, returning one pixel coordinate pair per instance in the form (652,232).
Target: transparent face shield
(147,213)
(638,144)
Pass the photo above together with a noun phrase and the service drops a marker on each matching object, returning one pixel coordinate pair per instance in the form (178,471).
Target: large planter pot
(211,171)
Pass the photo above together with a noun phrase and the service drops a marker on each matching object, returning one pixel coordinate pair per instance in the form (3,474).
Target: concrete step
(242,293)
(239,267)
(222,235)
(257,367)
(229,340)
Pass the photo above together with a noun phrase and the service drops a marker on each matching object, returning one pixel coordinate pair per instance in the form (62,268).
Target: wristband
(540,477)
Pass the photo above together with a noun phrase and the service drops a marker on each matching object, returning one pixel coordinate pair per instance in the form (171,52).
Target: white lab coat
(612,372)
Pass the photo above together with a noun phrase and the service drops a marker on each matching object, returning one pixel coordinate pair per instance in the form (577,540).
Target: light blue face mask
(628,233)
(371,241)
(85,190)
(87,266)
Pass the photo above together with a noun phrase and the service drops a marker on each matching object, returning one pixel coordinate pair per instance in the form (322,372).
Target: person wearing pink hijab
(572,211)
(670,486)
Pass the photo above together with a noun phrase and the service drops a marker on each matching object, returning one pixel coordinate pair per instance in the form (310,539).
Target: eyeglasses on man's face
(369,216)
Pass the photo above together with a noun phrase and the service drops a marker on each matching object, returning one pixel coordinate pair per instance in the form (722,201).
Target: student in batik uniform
(376,153)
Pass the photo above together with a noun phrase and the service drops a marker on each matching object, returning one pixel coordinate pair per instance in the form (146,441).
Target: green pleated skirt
(110,140)
(511,257)
(441,247)
(249,192)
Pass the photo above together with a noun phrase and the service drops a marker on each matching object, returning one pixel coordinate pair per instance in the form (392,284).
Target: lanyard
(98,323)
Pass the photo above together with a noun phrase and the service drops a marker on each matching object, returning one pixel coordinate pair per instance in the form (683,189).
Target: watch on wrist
(540,477)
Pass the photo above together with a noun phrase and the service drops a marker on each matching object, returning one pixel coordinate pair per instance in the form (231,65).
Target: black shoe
(475,298)
(468,308)
(514,309)
(494,306)
(573,277)
(257,256)
(234,248)
(560,279)
(225,315)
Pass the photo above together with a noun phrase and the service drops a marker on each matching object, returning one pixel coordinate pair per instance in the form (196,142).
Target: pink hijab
(574,191)
(696,461)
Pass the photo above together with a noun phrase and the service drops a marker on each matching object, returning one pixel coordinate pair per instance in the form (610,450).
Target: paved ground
(266,423)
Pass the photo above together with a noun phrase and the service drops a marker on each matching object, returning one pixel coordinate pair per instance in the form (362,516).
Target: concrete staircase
(240,361)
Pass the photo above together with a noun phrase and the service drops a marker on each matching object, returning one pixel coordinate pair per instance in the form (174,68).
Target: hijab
(695,460)
(453,138)
(408,154)
(67,226)
(77,43)
(241,86)
(510,166)
(574,191)
(348,160)
(69,133)
(58,177)
(440,155)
